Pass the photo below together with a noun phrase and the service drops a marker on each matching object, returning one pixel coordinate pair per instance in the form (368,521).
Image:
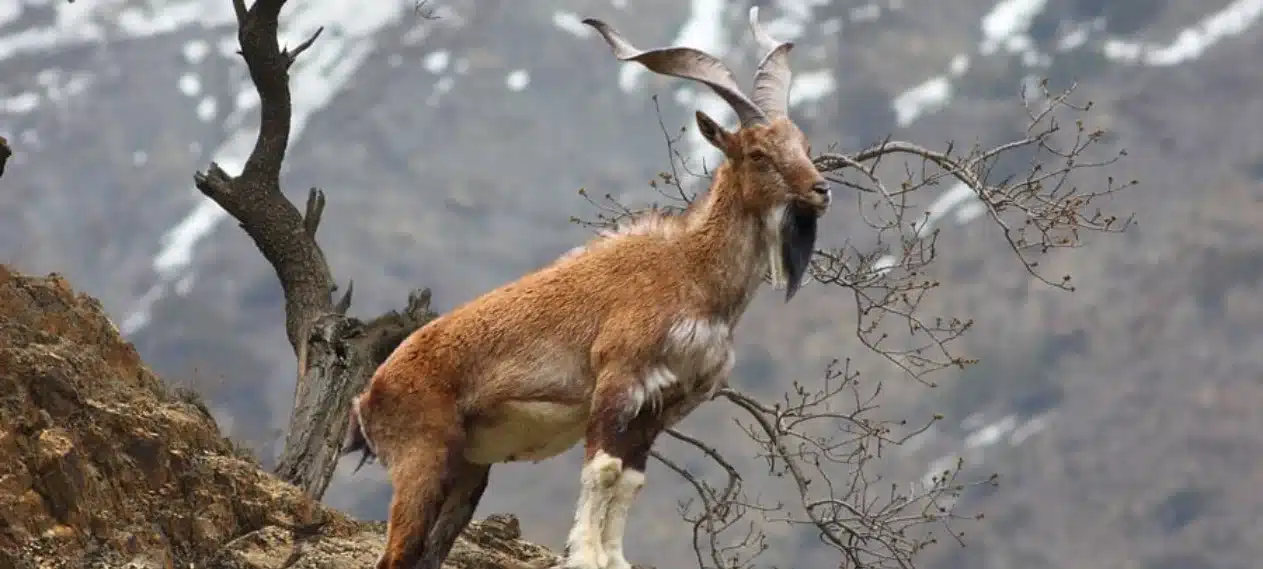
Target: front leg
(620,433)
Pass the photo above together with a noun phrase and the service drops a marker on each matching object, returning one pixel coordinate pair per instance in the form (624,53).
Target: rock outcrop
(104,465)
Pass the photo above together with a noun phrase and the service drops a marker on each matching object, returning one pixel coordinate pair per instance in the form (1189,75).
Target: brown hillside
(104,465)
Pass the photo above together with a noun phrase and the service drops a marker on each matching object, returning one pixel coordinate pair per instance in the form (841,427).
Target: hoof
(592,560)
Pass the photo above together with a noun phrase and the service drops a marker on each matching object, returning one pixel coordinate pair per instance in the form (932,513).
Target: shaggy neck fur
(733,244)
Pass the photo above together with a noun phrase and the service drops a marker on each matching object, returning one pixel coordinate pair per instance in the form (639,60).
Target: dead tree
(336,353)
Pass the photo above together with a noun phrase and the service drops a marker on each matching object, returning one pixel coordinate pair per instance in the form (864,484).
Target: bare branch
(426,13)
(254,197)
(344,303)
(315,208)
(291,56)
(1040,212)
(823,439)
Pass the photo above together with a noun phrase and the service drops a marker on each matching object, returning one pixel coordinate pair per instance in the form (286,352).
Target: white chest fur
(697,358)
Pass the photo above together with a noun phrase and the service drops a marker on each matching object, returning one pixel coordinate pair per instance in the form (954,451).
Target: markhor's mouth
(798,242)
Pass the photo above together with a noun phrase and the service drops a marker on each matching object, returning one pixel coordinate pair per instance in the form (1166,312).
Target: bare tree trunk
(342,355)
(336,354)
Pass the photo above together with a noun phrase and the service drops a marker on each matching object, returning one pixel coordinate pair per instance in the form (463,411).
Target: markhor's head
(768,153)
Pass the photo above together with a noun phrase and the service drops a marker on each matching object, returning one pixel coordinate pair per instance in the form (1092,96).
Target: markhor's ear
(716,135)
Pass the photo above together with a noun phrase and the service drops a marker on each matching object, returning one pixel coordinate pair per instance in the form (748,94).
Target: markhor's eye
(757,155)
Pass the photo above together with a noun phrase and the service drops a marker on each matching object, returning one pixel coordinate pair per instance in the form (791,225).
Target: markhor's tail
(355,439)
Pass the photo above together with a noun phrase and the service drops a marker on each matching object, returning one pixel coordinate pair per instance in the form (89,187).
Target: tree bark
(336,354)
(342,355)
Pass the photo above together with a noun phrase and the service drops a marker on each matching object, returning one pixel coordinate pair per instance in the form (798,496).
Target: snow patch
(684,96)
(572,23)
(1030,428)
(206,109)
(1007,23)
(21,103)
(811,87)
(992,433)
(969,211)
(185,284)
(189,84)
(436,62)
(959,195)
(195,51)
(227,46)
(315,78)
(171,16)
(793,17)
(1074,39)
(884,263)
(517,80)
(930,96)
(178,242)
(1192,42)
(441,87)
(703,30)
(1005,26)
(139,317)
(56,86)
(10,11)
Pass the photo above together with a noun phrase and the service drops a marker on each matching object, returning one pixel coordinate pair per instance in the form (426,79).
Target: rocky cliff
(102,464)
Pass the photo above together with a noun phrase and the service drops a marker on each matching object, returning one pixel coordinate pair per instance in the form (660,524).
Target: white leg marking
(599,479)
(625,491)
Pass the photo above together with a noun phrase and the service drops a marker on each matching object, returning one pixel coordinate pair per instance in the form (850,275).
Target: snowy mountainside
(451,152)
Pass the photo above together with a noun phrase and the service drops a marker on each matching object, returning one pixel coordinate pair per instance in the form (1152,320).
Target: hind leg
(466,483)
(417,499)
(422,470)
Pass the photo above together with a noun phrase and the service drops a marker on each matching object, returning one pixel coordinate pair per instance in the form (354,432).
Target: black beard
(798,242)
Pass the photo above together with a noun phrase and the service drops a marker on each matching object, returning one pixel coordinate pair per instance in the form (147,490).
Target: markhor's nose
(822,188)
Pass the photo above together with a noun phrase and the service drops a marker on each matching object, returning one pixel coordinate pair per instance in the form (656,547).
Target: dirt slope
(104,465)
